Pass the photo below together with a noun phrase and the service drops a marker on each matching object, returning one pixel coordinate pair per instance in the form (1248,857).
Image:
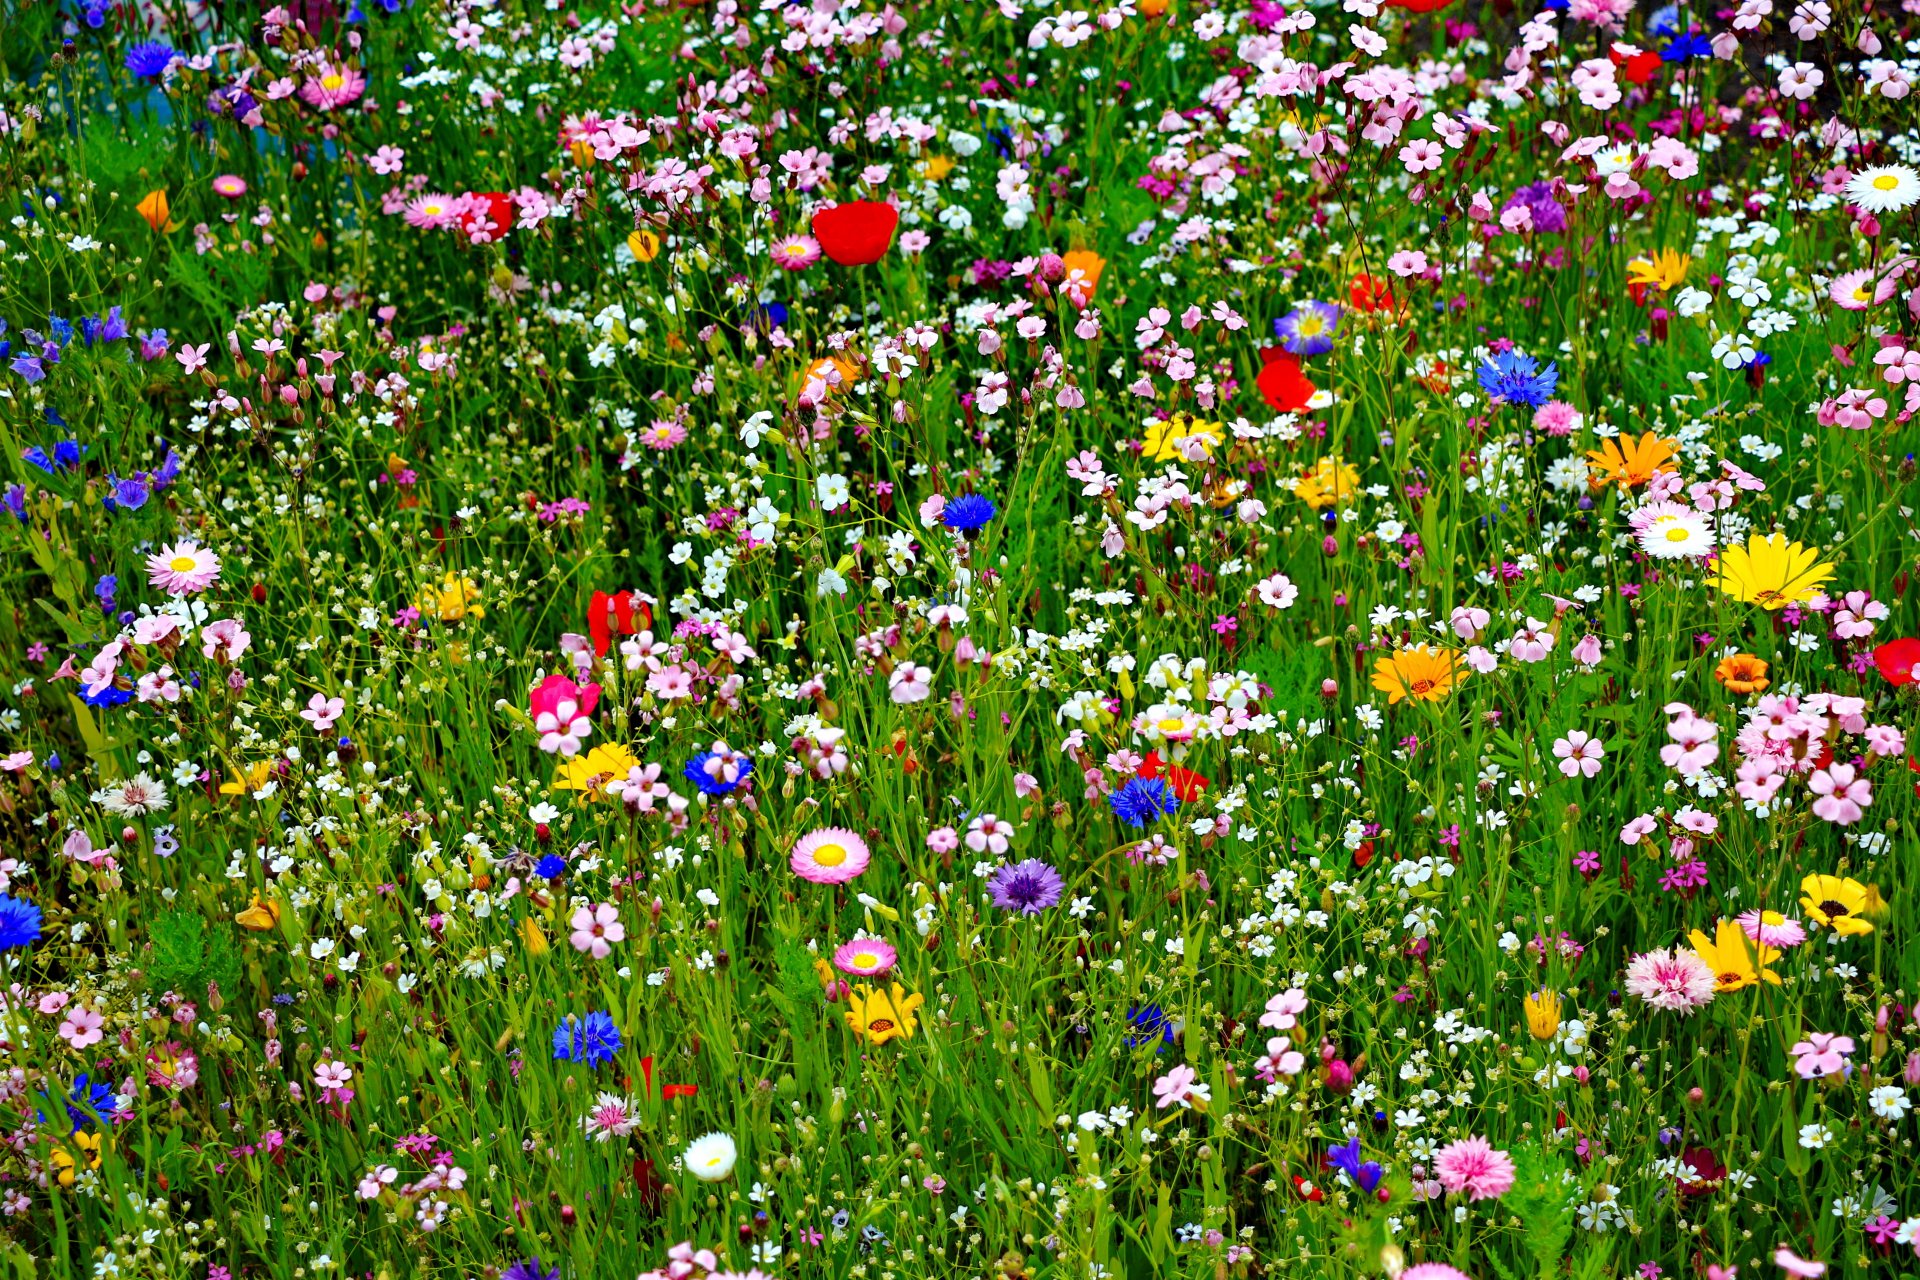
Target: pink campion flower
(377,1180)
(1579,753)
(1587,651)
(1181,1087)
(1694,744)
(321,711)
(1821,1054)
(226,640)
(1025,785)
(332,1075)
(1639,829)
(1532,643)
(1759,779)
(1843,795)
(560,710)
(1284,1010)
(1468,621)
(1407,262)
(1885,740)
(1857,614)
(910,683)
(1421,155)
(1801,80)
(596,928)
(193,359)
(1280,1059)
(1795,1265)
(81,1027)
(943,840)
(1472,1165)
(988,834)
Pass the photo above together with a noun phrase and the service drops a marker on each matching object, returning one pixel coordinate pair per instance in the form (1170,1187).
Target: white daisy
(1885,188)
(1675,532)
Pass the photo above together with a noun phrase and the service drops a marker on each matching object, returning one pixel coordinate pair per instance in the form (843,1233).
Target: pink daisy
(1677,981)
(183,568)
(1771,929)
(1434,1271)
(230,185)
(1473,1166)
(662,435)
(831,855)
(865,957)
(333,86)
(430,212)
(796,253)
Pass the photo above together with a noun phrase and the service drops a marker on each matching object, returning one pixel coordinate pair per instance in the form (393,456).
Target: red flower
(1638,65)
(1307,1191)
(1369,294)
(490,212)
(1420,6)
(1184,783)
(856,233)
(1897,659)
(1286,389)
(611,615)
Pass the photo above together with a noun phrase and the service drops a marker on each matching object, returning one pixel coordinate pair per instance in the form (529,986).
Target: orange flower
(1423,673)
(1083,274)
(1742,673)
(155,210)
(1631,463)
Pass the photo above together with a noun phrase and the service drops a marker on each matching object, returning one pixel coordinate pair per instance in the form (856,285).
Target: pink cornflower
(1473,1166)
(596,928)
(1676,981)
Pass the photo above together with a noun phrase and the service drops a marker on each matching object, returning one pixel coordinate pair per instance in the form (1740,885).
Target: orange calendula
(1631,463)
(1742,673)
(881,1016)
(1423,673)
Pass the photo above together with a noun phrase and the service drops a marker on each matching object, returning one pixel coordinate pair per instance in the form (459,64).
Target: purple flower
(1029,887)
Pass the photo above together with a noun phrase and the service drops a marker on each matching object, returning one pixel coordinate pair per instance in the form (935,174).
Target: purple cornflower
(1029,887)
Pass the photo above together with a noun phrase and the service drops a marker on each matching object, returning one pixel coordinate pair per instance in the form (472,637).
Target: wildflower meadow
(878,639)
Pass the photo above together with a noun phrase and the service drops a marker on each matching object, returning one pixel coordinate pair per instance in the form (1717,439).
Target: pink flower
(1407,262)
(1693,747)
(333,86)
(1821,1054)
(1180,1087)
(796,253)
(81,1027)
(387,160)
(192,359)
(1844,797)
(1795,1265)
(332,1075)
(183,568)
(943,840)
(1637,830)
(560,710)
(910,683)
(596,929)
(1677,981)
(1473,1166)
(430,212)
(1579,753)
(225,639)
(1532,643)
(322,711)
(1284,1010)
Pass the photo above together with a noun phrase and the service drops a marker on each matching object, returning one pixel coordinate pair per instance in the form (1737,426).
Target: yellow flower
(1165,439)
(1422,673)
(1330,481)
(644,244)
(1631,463)
(592,772)
(248,781)
(1772,572)
(934,168)
(262,917)
(452,600)
(1837,903)
(1662,271)
(1543,1015)
(881,1017)
(536,938)
(1733,958)
(62,1160)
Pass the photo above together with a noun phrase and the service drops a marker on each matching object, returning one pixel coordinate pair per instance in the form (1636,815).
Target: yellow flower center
(182,564)
(1886,182)
(829,855)
(866,960)
(1172,725)
(333,82)
(1677,533)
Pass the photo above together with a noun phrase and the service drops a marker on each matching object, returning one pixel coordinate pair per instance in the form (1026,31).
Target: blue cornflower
(1150,1023)
(19,922)
(1308,329)
(1691,45)
(130,494)
(1142,801)
(111,696)
(1518,379)
(68,453)
(1346,1157)
(86,1093)
(592,1040)
(968,512)
(1665,21)
(551,867)
(149,58)
(38,457)
(530,1269)
(696,773)
(61,329)
(169,469)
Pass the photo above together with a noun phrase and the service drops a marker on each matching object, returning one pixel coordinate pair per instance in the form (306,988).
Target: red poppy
(1368,294)
(1897,659)
(1638,65)
(1185,783)
(1307,1191)
(611,615)
(490,212)
(856,233)
(1419,6)
(1286,388)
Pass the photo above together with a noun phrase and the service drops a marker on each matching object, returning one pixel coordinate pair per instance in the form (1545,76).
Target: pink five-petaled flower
(1180,1086)
(1579,753)
(1472,1165)
(1795,1265)
(332,1075)
(1821,1054)
(596,929)
(322,711)
(81,1027)
(560,710)
(1285,1009)
(1843,795)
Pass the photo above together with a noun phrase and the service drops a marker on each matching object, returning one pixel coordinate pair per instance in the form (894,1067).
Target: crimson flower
(856,233)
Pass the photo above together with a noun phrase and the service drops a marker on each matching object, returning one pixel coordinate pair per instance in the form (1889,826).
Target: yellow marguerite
(934,168)
(452,600)
(1772,572)
(1838,903)
(880,1016)
(1330,481)
(1423,673)
(1662,271)
(248,781)
(1735,961)
(1166,441)
(592,772)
